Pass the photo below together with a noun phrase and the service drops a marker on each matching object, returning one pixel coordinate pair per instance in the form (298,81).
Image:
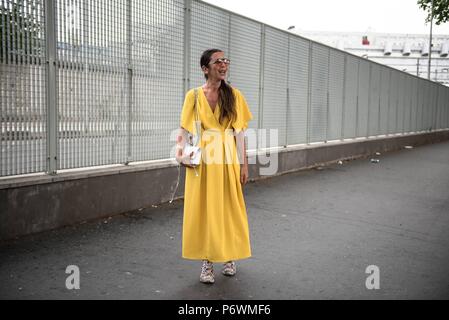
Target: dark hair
(225,94)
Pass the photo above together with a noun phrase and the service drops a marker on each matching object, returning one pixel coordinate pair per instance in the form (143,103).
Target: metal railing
(89,83)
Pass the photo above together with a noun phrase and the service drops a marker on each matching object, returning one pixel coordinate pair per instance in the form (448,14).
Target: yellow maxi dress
(215,225)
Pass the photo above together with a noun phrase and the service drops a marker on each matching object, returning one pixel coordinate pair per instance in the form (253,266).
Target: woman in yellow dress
(215,226)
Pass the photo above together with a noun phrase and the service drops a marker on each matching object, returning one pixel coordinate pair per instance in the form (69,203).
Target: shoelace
(207,268)
(229,266)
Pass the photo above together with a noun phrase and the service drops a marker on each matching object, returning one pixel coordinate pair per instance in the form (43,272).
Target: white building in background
(406,52)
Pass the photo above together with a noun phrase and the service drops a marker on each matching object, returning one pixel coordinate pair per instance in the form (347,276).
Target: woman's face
(217,68)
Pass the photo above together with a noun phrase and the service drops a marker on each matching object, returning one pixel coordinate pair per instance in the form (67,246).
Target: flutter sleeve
(188,114)
(243,113)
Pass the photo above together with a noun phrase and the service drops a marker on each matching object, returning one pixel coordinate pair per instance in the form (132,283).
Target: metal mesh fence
(275,82)
(336,83)
(22,87)
(157,76)
(319,90)
(350,97)
(298,80)
(245,54)
(373,101)
(209,29)
(363,98)
(88,83)
(92,82)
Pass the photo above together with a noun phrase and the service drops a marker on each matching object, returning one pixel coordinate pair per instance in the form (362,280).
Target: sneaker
(229,269)
(207,272)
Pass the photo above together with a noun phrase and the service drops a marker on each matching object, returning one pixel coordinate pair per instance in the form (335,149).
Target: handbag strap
(197,135)
(195,104)
(197,116)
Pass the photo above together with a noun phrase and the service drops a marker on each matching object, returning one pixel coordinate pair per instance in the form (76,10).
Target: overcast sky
(390,16)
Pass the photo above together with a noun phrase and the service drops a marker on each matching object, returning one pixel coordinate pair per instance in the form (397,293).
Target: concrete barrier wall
(42,202)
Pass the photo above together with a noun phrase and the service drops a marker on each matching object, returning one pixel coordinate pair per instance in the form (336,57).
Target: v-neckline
(207,101)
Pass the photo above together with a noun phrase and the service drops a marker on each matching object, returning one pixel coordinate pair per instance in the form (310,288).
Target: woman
(215,227)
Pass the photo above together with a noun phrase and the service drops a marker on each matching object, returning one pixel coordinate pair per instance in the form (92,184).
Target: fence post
(327,96)
(343,109)
(130,79)
(397,107)
(445,124)
(187,43)
(229,49)
(369,100)
(417,105)
(423,102)
(404,95)
(309,94)
(261,80)
(430,112)
(357,102)
(288,92)
(50,88)
(389,104)
(436,112)
(380,102)
(410,84)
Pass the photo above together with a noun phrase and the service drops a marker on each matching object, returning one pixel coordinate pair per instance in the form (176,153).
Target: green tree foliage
(20,30)
(440,10)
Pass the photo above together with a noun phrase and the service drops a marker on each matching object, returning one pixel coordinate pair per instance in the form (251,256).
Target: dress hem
(216,260)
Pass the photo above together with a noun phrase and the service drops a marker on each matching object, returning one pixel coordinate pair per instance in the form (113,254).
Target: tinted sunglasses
(222,60)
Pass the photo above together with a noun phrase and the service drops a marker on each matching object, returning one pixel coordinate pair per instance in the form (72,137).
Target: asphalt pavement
(354,230)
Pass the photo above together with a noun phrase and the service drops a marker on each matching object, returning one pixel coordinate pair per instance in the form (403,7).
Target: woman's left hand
(244,174)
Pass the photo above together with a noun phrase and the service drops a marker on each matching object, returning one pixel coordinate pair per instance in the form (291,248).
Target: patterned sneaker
(229,269)
(207,272)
